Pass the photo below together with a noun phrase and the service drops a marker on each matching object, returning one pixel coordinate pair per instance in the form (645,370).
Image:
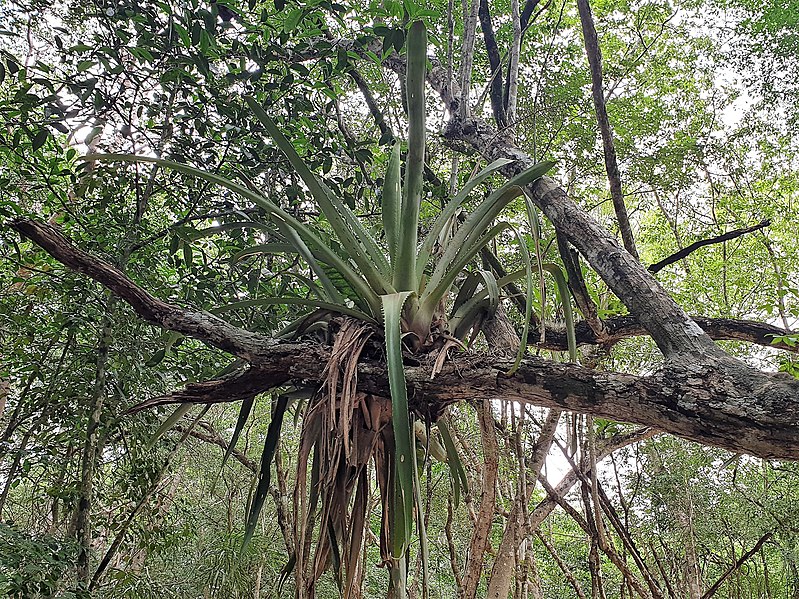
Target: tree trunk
(92,448)
(485,515)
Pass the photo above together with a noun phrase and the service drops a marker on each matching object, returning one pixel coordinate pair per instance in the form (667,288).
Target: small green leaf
(156,358)
(292,20)
(92,134)
(39,139)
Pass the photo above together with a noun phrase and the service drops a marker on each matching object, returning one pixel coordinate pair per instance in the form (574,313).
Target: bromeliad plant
(401,289)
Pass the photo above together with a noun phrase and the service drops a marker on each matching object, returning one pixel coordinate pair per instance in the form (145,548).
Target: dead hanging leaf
(344,429)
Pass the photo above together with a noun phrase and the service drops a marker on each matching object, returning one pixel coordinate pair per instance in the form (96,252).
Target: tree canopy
(393,263)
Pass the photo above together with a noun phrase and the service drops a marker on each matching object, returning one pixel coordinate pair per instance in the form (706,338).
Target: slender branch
(739,562)
(611,164)
(473,570)
(616,328)
(564,567)
(658,266)
(527,13)
(576,282)
(244,384)
(214,438)
(470,10)
(495,64)
(371,103)
(512,82)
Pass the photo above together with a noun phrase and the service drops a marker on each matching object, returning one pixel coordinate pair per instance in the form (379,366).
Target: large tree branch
(594,54)
(717,401)
(728,405)
(193,323)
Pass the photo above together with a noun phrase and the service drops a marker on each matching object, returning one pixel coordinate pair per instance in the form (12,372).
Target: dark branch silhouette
(658,266)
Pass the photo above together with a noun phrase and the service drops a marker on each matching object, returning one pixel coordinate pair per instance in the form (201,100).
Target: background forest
(702,100)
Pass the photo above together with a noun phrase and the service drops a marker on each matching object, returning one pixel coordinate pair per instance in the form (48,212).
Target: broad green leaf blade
(405,267)
(565,301)
(451,210)
(265,473)
(361,247)
(468,289)
(470,306)
(392,203)
(456,470)
(169,423)
(301,301)
(403,440)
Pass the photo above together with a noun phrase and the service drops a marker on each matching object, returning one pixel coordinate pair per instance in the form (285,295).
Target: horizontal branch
(241,385)
(658,266)
(725,404)
(197,324)
(624,327)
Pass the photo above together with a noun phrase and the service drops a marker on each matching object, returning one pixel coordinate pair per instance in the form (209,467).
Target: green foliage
(32,566)
(703,110)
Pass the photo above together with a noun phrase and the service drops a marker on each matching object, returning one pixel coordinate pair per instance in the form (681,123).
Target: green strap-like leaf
(264,249)
(301,301)
(244,414)
(320,249)
(424,550)
(565,302)
(392,203)
(468,309)
(451,210)
(169,423)
(362,248)
(456,470)
(471,230)
(432,295)
(265,472)
(293,237)
(403,440)
(405,267)
(528,307)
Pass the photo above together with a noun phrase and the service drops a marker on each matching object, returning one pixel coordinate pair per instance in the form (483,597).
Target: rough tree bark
(701,394)
(594,54)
